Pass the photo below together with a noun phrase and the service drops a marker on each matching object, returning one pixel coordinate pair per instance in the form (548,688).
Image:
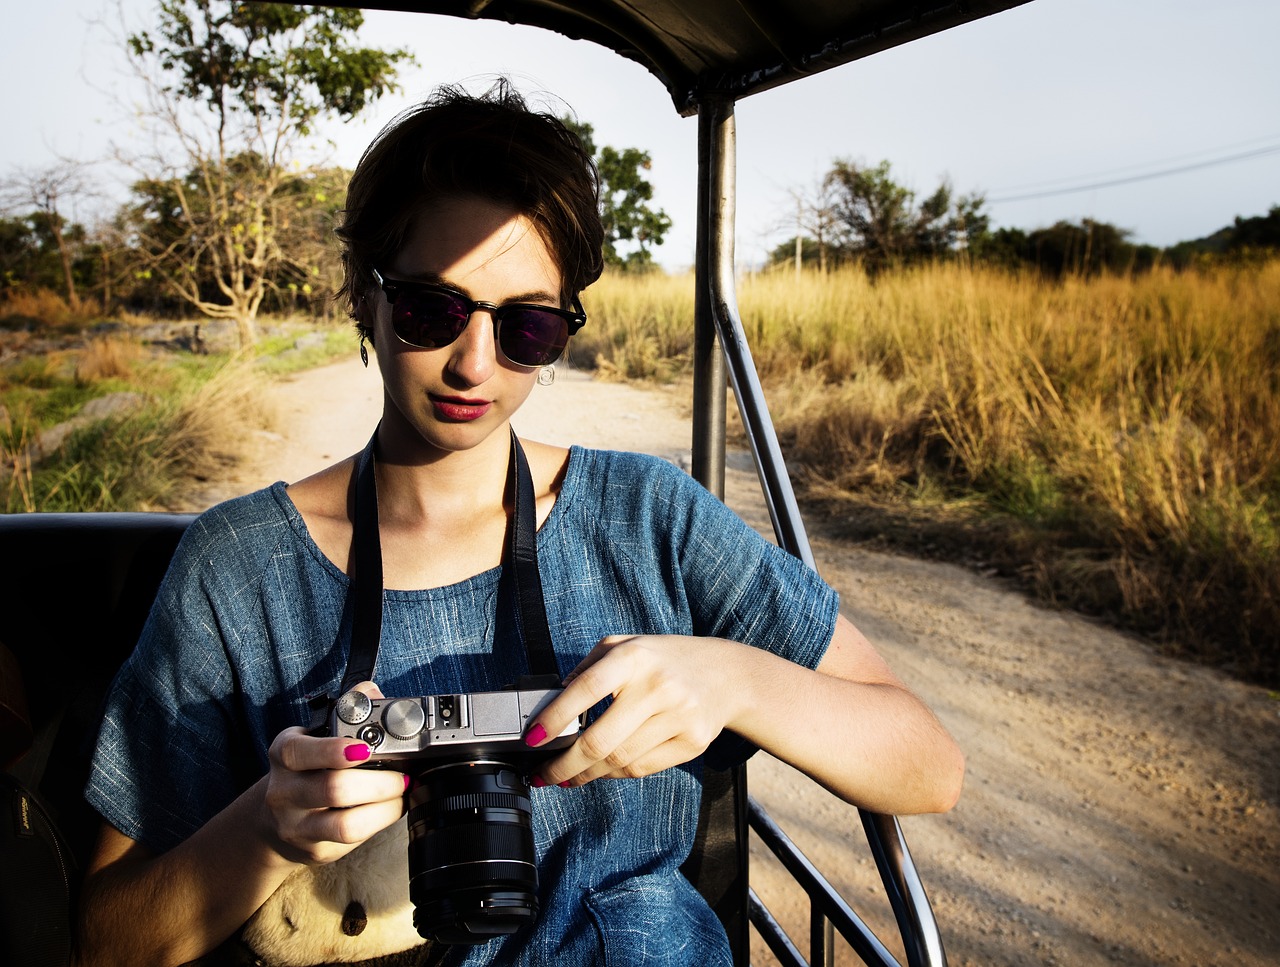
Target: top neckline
(568,492)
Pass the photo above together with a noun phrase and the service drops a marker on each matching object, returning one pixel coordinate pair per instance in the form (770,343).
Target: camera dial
(353,707)
(404,718)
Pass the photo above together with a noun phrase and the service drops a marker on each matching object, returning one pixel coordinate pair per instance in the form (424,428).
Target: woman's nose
(475,352)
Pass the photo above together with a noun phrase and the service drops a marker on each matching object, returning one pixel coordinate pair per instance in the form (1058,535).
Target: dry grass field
(1113,442)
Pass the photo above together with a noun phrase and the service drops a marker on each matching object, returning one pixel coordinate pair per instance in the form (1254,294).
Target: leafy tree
(304,207)
(45,193)
(1245,238)
(878,220)
(873,214)
(1259,232)
(1089,248)
(237,87)
(625,194)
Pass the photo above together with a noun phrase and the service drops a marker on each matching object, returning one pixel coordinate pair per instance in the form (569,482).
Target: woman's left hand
(849,724)
(669,703)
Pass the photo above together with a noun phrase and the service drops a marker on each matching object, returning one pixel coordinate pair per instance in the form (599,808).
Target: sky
(1159,116)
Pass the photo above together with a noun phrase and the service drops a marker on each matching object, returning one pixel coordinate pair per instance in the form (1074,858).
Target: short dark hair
(492,146)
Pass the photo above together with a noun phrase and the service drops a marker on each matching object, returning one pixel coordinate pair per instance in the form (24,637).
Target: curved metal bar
(916,922)
(822,895)
(920,937)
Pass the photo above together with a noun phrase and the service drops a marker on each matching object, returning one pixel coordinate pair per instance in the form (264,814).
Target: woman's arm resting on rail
(312,807)
(851,724)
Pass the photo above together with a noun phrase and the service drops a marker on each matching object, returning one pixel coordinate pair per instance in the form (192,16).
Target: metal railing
(720,343)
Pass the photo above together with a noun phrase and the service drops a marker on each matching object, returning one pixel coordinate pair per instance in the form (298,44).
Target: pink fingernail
(536,735)
(537,782)
(564,785)
(407,780)
(357,753)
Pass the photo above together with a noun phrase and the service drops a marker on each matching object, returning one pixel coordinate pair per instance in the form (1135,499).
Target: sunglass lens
(428,320)
(532,338)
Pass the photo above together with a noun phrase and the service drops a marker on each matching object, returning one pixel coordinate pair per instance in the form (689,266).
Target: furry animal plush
(355,909)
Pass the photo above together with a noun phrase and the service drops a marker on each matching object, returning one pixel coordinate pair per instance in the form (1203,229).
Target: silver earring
(546,375)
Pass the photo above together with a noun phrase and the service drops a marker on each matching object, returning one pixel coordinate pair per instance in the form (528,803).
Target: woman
(471,229)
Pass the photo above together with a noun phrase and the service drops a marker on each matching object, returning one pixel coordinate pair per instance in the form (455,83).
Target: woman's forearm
(851,724)
(873,744)
(143,909)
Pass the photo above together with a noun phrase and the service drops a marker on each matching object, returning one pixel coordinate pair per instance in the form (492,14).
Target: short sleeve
(169,753)
(743,588)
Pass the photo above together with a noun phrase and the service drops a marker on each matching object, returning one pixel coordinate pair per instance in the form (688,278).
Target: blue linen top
(252,619)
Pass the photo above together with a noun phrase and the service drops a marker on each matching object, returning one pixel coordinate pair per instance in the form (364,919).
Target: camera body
(472,870)
(465,726)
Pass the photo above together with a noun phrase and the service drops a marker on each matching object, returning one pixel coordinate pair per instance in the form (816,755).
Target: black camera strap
(519,589)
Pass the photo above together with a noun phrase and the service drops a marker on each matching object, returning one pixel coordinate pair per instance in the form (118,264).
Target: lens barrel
(471,860)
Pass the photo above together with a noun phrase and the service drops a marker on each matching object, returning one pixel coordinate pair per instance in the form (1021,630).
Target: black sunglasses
(430,316)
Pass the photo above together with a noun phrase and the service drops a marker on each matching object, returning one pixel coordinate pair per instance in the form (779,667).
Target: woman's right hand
(319,806)
(312,807)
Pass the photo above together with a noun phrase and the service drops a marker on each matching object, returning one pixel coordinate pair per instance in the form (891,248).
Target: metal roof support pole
(709,392)
(717,325)
(717,298)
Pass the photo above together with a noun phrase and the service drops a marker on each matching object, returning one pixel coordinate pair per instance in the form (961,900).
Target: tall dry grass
(107,357)
(45,309)
(639,326)
(190,429)
(1119,436)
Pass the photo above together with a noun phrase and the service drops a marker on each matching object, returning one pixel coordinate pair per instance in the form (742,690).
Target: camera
(472,874)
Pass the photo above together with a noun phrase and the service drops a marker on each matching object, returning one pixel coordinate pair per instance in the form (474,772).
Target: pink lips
(459,409)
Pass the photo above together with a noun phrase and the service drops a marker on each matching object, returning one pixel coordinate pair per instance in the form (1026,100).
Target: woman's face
(456,396)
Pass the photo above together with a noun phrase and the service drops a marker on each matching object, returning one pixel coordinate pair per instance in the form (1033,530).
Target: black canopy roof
(724,47)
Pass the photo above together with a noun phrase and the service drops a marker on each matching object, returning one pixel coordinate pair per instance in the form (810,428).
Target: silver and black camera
(441,726)
(471,858)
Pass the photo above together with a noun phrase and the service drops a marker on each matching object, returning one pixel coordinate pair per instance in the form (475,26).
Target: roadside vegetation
(1112,442)
(94,418)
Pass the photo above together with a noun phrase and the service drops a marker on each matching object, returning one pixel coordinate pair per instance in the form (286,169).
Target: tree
(1257,233)
(238,87)
(815,221)
(625,195)
(44,192)
(878,220)
(873,214)
(1089,248)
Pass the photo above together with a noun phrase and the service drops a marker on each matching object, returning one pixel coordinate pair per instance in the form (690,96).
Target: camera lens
(471,860)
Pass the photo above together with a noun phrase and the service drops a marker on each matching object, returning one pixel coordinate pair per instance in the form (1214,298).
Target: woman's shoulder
(619,466)
(622,486)
(243,531)
(255,510)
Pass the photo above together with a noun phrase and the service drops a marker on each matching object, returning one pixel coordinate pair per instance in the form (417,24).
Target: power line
(1189,157)
(1163,173)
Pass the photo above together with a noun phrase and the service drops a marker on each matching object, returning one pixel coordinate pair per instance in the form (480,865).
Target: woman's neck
(417,483)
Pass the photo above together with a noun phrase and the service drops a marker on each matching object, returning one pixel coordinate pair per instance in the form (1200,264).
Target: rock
(310,340)
(113,404)
(103,408)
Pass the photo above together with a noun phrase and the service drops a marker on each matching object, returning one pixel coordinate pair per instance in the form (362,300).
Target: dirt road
(1119,807)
